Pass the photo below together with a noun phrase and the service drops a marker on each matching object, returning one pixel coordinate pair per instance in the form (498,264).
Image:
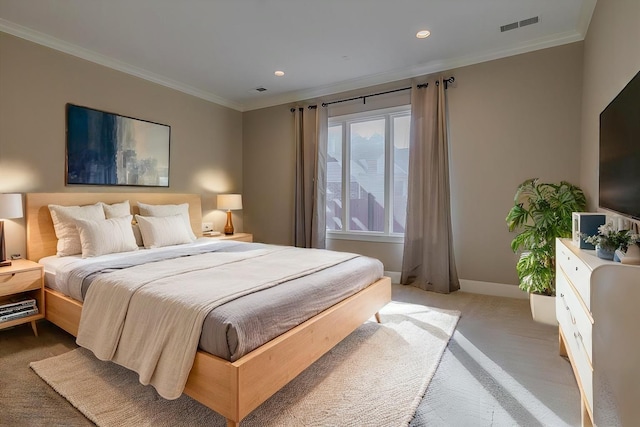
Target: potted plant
(541,213)
(609,239)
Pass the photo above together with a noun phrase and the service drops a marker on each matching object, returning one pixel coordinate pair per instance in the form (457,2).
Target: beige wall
(510,119)
(35,84)
(611,59)
(269,173)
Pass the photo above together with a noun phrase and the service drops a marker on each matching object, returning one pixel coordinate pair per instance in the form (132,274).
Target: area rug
(375,377)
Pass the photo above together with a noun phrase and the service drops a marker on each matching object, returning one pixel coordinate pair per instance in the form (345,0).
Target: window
(367,171)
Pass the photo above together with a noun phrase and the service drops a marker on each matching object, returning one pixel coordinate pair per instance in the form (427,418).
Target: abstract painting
(109,149)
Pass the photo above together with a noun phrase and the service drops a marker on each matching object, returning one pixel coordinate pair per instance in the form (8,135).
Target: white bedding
(56,269)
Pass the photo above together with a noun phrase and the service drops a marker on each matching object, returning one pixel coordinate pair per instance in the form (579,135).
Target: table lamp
(229,202)
(10,207)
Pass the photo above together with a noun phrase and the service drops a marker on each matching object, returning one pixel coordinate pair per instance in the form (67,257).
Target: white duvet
(148,318)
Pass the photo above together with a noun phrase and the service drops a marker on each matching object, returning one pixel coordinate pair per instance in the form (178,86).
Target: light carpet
(375,377)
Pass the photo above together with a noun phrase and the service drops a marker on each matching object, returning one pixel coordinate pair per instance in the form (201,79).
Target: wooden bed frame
(233,389)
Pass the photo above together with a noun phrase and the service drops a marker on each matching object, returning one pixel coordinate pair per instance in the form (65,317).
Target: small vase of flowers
(609,239)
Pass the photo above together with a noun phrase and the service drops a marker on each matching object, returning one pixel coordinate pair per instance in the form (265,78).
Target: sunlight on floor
(522,397)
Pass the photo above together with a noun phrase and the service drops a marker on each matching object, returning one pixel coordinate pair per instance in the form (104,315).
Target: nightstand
(241,237)
(22,278)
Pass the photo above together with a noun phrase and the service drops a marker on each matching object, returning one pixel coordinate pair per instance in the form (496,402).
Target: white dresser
(598,310)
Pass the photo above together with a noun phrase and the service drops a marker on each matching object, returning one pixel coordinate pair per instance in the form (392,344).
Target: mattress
(241,325)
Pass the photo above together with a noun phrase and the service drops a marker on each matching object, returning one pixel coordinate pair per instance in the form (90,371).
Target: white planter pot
(543,309)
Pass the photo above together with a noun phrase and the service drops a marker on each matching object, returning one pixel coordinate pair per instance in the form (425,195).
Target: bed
(232,389)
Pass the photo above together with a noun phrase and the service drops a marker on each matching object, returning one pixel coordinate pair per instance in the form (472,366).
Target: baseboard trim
(477,287)
(491,288)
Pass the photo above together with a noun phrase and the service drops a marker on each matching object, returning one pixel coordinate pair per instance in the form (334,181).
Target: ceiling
(223,50)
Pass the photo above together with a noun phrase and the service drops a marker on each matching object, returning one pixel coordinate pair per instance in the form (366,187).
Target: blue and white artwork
(109,149)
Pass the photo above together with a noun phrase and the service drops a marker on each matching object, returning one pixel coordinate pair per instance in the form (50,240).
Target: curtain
(311,165)
(428,260)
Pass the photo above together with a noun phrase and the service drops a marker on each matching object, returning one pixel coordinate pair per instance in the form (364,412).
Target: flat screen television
(620,152)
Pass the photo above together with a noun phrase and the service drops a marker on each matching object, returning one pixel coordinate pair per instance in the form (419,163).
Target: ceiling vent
(261,89)
(520,24)
(529,21)
(508,27)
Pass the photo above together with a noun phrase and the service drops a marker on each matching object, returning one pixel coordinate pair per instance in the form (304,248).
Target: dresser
(598,310)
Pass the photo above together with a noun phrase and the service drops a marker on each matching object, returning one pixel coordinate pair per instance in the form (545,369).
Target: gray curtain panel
(428,261)
(311,165)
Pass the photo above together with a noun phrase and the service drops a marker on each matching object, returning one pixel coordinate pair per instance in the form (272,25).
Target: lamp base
(228,228)
(4,262)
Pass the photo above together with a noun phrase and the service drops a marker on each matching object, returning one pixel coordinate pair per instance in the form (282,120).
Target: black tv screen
(620,152)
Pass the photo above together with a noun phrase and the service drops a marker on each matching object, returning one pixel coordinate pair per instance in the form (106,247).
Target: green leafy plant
(541,212)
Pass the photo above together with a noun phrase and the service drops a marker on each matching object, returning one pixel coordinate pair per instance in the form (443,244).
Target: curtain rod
(364,97)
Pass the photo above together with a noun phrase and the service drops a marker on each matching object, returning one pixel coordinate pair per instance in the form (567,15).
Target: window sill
(399,239)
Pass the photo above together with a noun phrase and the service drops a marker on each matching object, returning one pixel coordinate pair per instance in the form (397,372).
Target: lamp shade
(229,201)
(10,206)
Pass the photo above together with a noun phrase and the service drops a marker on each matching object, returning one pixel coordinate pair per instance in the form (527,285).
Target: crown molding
(71,49)
(296,96)
(416,71)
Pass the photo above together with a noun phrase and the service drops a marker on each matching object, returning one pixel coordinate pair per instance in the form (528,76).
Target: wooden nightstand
(241,237)
(22,278)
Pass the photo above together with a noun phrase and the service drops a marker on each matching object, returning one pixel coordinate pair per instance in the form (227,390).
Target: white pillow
(167,210)
(64,223)
(138,235)
(116,210)
(106,236)
(158,231)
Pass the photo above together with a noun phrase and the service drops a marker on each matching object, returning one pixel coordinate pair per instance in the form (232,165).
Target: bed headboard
(41,238)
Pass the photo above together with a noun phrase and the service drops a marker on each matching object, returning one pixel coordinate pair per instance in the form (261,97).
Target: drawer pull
(577,336)
(573,319)
(576,268)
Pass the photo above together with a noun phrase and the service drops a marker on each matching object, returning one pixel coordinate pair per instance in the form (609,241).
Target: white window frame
(388,114)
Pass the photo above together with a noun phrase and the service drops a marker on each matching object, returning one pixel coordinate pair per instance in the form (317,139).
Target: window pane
(366,183)
(334,178)
(400,171)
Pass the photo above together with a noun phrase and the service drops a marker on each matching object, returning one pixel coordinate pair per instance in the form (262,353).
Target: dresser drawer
(11,283)
(575,317)
(580,364)
(576,271)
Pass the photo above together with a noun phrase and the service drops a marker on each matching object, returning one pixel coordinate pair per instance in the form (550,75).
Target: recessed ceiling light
(423,34)
(279,73)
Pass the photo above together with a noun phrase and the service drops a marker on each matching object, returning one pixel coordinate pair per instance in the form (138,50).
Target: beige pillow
(106,236)
(167,210)
(116,210)
(64,223)
(163,231)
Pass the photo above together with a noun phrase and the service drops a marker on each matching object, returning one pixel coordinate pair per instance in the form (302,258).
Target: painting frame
(109,149)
